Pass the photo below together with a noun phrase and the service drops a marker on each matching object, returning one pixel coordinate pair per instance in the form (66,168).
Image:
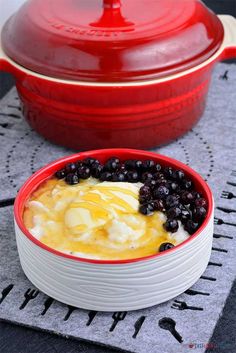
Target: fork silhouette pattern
(220,221)
(228,195)
(180,305)
(29,295)
(117,316)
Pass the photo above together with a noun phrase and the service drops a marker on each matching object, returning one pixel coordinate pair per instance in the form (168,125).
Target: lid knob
(111,4)
(111,17)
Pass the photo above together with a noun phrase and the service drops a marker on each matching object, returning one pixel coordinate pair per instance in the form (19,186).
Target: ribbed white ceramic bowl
(113,285)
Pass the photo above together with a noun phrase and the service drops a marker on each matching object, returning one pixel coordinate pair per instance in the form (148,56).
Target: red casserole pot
(112,73)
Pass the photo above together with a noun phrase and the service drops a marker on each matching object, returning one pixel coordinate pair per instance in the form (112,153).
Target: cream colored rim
(229,24)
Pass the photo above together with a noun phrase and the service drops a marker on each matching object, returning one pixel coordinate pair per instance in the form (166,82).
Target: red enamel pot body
(115,92)
(139,116)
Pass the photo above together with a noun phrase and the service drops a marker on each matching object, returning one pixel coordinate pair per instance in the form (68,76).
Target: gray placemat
(210,149)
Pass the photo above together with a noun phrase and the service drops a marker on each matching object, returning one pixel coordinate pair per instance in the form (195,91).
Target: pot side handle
(5,64)
(229,43)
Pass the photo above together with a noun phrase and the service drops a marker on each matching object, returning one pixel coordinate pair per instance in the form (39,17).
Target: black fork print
(29,295)
(220,221)
(117,316)
(228,195)
(180,305)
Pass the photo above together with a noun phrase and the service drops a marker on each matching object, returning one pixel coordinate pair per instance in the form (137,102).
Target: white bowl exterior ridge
(116,287)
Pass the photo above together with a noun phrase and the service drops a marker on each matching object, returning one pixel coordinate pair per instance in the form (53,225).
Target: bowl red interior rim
(48,171)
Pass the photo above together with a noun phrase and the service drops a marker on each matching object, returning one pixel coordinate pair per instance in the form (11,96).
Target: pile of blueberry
(165,189)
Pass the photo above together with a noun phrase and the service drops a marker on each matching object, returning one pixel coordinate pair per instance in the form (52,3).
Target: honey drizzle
(97,244)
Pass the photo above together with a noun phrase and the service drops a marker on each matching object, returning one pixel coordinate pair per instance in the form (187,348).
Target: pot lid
(111,40)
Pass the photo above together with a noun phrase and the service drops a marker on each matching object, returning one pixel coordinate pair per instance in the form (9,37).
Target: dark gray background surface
(15,339)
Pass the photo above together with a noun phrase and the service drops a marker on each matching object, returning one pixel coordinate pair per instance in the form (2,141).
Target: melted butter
(96,219)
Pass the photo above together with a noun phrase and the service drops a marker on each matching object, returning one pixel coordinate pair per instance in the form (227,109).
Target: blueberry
(148,165)
(70,168)
(198,195)
(132,176)
(162,181)
(60,174)
(187,197)
(171,225)
(147,176)
(172,201)
(174,213)
(187,184)
(79,164)
(83,172)
(72,179)
(151,183)
(174,187)
(159,175)
(144,194)
(178,175)
(143,199)
(146,209)
(168,171)
(96,170)
(138,165)
(186,215)
(191,226)
(201,202)
(199,213)
(112,164)
(156,168)
(130,164)
(161,192)
(123,168)
(159,205)
(145,190)
(133,164)
(118,177)
(165,246)
(106,176)
(91,161)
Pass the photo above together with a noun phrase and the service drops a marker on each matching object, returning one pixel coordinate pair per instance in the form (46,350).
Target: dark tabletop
(16,339)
